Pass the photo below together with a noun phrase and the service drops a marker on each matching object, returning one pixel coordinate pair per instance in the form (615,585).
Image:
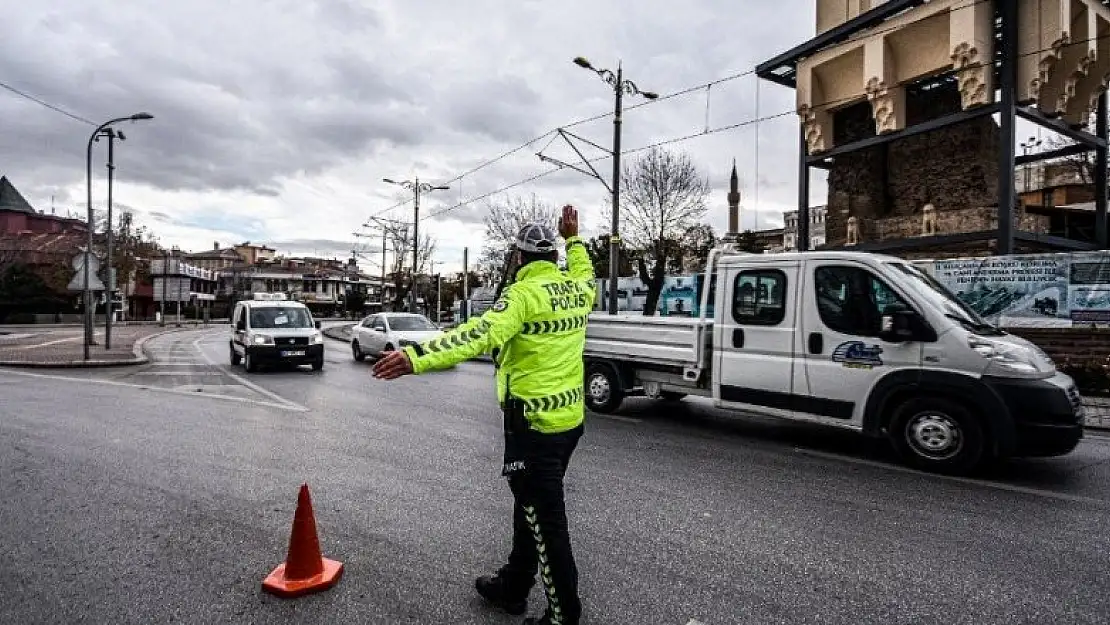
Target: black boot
(495,590)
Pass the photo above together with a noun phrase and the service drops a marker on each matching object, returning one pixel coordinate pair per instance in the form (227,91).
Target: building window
(758,297)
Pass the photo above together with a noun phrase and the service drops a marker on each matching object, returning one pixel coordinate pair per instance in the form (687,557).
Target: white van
(271,329)
(860,341)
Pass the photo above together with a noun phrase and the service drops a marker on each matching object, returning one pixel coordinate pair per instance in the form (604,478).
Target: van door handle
(816,343)
(738,338)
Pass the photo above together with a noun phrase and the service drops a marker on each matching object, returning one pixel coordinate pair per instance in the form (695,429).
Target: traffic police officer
(538,326)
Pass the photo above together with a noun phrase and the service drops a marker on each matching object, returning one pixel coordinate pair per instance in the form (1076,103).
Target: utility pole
(381,292)
(620,87)
(439,298)
(110,306)
(416,187)
(165,276)
(464,309)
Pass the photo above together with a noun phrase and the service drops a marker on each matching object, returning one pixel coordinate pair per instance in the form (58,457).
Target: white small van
(859,341)
(272,330)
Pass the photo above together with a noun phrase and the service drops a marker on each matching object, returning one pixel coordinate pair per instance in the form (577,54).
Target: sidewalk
(64,347)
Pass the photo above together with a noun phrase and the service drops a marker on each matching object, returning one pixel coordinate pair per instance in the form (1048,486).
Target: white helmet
(536,237)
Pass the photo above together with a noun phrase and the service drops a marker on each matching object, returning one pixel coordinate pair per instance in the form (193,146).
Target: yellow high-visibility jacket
(539,326)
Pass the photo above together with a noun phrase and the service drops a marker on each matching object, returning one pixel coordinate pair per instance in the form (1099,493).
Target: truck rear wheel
(935,434)
(604,391)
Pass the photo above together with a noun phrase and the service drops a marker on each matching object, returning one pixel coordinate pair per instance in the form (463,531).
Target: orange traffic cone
(304,571)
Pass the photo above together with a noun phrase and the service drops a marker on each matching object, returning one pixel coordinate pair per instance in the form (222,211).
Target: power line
(734,126)
(46,104)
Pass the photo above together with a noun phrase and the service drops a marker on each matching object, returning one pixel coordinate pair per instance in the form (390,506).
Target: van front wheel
(938,435)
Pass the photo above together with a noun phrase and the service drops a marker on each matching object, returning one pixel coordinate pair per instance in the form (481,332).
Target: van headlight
(1012,361)
(263,339)
(316,338)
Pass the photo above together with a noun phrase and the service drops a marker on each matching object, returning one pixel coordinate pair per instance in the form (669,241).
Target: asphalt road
(166,493)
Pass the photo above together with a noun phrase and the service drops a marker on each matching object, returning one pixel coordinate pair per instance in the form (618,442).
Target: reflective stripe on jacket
(539,326)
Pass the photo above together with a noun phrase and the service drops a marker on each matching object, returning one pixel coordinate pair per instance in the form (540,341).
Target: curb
(328,333)
(141,357)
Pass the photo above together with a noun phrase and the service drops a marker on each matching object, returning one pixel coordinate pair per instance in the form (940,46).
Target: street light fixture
(417,188)
(91,227)
(621,87)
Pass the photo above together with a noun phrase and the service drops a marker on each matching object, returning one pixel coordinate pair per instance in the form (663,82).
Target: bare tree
(663,196)
(503,221)
(1078,167)
(400,240)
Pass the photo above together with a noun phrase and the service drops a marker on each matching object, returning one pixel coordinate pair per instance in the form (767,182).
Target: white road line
(694,621)
(177,373)
(257,402)
(190,363)
(1013,488)
(54,342)
(614,417)
(245,382)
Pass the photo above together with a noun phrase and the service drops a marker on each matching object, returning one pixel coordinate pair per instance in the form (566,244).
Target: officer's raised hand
(568,223)
(393,365)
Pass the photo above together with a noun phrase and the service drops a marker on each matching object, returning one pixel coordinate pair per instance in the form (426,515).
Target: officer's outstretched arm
(478,336)
(579,265)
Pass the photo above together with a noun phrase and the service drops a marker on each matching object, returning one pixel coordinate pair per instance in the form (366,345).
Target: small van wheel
(318,364)
(248,363)
(356,351)
(604,391)
(235,358)
(938,435)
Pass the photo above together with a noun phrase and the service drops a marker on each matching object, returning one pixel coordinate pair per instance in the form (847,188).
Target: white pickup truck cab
(854,340)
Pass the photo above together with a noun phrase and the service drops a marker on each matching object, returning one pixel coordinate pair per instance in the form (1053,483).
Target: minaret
(733,205)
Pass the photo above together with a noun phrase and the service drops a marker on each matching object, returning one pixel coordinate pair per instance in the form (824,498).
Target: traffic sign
(78,281)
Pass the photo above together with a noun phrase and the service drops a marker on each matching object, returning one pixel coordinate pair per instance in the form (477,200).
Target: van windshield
(952,306)
(280,317)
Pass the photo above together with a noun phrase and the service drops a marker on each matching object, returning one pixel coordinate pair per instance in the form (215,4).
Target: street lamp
(417,188)
(1026,146)
(620,88)
(91,226)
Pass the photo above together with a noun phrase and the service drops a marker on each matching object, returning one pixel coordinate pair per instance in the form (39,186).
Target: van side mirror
(317,324)
(242,325)
(901,325)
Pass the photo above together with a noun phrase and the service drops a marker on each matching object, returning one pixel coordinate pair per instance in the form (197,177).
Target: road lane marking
(158,389)
(1014,488)
(614,417)
(245,382)
(177,373)
(190,363)
(54,342)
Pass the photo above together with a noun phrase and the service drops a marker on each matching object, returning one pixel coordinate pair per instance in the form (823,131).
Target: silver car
(386,332)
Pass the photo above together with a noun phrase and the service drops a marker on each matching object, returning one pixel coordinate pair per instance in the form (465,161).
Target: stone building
(896,100)
(816,228)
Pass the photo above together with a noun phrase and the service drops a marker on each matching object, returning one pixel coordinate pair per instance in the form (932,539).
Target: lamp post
(620,86)
(417,188)
(91,224)
(1026,146)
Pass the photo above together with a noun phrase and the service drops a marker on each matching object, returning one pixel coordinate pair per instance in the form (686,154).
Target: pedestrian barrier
(304,571)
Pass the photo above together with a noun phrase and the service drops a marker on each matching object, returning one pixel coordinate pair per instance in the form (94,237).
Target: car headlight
(317,338)
(263,339)
(1012,361)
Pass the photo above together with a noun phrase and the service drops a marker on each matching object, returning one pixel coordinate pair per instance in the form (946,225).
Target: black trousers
(541,540)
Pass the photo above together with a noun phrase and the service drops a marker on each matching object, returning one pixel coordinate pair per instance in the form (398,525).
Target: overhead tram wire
(725,128)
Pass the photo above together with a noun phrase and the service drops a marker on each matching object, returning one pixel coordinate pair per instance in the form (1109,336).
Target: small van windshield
(940,296)
(280,317)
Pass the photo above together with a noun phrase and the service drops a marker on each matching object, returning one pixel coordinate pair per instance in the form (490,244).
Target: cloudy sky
(276,120)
